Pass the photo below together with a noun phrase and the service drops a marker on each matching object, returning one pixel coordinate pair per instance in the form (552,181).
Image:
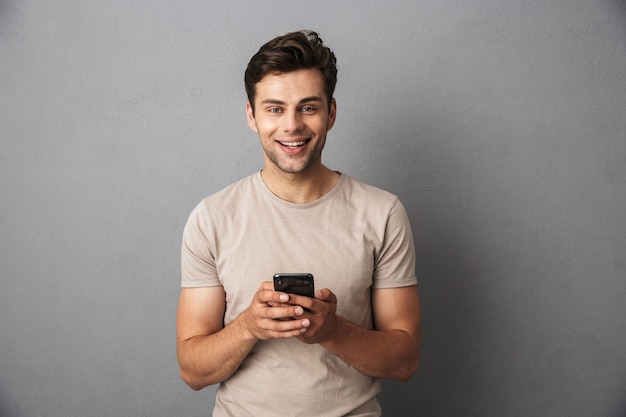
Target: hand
(321,313)
(270,317)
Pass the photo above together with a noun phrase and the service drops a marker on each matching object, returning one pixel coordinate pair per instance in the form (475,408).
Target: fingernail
(298,311)
(284,297)
(306,323)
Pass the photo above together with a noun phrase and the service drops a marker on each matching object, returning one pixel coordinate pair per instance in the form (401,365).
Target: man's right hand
(270,316)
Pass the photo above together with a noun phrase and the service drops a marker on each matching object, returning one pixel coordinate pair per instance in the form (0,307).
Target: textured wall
(500,124)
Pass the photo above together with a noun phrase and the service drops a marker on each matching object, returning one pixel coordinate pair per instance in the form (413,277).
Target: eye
(308,109)
(274,110)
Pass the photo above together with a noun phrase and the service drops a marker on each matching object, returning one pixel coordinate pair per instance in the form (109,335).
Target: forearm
(209,359)
(392,354)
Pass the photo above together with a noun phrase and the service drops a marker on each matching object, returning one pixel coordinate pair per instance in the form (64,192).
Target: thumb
(326,295)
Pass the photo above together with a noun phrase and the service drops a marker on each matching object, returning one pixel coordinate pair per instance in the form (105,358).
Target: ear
(250,117)
(332,114)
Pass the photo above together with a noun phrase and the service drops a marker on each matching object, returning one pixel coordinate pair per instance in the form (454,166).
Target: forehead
(290,86)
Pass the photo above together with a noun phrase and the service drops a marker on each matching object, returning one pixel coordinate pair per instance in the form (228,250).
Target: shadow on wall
(453,199)
(449,275)
(6,409)
(620,407)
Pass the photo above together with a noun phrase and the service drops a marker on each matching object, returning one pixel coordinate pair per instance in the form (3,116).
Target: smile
(293,144)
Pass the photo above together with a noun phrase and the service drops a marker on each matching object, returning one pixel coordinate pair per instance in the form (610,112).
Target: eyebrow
(280,102)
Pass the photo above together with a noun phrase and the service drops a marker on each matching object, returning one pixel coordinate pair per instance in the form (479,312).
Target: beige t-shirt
(355,238)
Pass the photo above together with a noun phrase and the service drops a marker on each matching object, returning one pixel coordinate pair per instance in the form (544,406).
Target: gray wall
(500,124)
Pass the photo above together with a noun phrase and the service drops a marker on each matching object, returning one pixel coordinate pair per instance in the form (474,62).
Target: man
(275,353)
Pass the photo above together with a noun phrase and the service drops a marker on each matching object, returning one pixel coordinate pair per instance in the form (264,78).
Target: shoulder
(359,191)
(231,195)
(226,201)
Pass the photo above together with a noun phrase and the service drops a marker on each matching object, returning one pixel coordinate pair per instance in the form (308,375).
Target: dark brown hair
(290,52)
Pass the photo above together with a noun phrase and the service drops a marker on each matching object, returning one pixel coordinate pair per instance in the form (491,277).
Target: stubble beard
(294,164)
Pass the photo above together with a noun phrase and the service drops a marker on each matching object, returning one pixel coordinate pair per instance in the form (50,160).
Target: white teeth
(293,144)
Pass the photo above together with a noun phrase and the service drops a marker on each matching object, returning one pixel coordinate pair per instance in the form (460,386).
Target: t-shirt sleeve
(197,252)
(395,262)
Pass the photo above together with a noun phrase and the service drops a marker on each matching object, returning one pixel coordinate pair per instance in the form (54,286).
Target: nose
(292,121)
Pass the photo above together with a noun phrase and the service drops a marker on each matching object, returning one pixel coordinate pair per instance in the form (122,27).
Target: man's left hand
(321,311)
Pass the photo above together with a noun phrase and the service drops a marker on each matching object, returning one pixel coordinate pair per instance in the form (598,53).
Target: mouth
(293,144)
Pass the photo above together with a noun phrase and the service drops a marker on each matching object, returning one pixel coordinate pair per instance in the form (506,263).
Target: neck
(300,188)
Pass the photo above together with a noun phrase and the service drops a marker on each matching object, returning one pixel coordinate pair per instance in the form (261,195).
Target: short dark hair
(290,52)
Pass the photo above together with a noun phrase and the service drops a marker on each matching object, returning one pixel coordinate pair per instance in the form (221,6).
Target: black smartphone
(301,284)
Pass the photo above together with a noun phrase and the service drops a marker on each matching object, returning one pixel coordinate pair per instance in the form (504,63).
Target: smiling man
(277,353)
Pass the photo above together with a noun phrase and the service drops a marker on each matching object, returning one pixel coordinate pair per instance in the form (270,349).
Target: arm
(204,357)
(207,351)
(392,350)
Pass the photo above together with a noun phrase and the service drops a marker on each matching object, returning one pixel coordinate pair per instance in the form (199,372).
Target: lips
(293,144)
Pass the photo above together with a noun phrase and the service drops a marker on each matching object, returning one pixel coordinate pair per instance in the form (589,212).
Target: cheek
(321,126)
(268,124)
(263,129)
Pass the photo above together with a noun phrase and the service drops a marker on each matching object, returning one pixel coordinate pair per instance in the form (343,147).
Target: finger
(326,295)
(271,296)
(301,300)
(286,329)
(289,311)
(267,286)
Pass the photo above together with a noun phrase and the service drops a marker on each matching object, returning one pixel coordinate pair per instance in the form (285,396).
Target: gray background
(501,124)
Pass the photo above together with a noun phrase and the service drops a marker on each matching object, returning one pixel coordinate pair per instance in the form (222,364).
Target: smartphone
(301,284)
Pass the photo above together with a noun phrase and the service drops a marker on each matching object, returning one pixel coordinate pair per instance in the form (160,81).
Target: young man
(275,353)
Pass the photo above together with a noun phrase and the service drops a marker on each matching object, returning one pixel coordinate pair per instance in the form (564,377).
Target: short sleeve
(197,252)
(395,261)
